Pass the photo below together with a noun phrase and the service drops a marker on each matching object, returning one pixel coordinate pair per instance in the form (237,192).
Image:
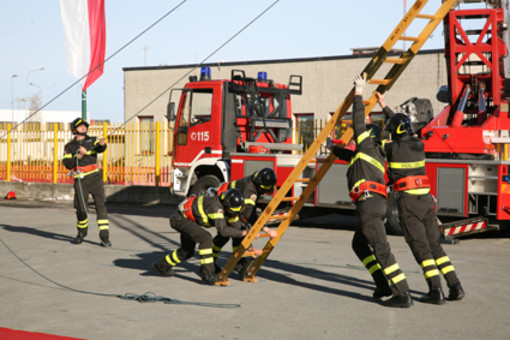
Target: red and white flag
(85,36)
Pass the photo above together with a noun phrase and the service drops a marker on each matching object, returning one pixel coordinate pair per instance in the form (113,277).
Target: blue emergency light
(205,73)
(262,75)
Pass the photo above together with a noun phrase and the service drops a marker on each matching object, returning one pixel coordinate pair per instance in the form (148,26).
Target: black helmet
(374,131)
(264,180)
(399,125)
(233,201)
(77,122)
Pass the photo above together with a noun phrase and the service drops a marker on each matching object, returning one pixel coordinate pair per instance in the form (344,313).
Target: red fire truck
(227,129)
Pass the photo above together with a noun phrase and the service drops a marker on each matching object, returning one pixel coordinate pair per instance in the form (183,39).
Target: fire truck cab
(216,119)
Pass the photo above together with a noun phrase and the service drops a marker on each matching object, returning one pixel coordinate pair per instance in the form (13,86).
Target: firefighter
(365,177)
(192,215)
(259,183)
(407,177)
(80,156)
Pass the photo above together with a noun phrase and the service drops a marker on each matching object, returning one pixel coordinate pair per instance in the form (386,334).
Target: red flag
(85,36)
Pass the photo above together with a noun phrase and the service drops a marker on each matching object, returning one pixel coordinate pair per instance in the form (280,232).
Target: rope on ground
(147,297)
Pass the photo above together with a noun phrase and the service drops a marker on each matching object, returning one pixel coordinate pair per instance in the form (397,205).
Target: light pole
(145,48)
(12,96)
(26,83)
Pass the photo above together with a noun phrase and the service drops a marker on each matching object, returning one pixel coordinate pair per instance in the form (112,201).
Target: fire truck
(227,129)
(467,143)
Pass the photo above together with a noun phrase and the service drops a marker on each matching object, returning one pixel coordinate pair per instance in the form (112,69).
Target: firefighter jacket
(250,194)
(208,212)
(71,161)
(406,158)
(366,163)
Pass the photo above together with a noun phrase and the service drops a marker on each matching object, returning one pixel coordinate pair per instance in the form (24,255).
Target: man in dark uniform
(80,156)
(406,172)
(365,177)
(259,183)
(192,215)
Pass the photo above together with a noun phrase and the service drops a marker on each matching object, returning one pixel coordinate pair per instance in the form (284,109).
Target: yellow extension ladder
(384,84)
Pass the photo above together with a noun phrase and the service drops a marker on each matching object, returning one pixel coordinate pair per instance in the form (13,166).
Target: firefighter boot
(207,274)
(104,236)
(402,300)
(382,291)
(434,296)
(239,266)
(82,232)
(163,267)
(456,292)
(246,265)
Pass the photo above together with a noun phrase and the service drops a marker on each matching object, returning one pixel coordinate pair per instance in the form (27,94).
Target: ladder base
(252,279)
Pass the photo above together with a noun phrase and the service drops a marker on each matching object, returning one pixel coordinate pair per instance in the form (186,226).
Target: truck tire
(203,183)
(392,216)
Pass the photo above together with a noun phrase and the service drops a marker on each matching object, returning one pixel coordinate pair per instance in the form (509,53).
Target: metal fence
(137,153)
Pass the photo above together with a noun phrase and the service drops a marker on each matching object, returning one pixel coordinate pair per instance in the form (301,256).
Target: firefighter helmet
(233,201)
(374,131)
(77,122)
(264,180)
(399,125)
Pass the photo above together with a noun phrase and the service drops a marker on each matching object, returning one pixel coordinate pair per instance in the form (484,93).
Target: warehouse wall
(326,82)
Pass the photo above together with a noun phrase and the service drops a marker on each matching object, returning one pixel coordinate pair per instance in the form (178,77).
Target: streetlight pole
(12,97)
(26,83)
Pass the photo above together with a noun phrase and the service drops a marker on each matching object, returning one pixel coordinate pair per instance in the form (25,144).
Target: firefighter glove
(360,83)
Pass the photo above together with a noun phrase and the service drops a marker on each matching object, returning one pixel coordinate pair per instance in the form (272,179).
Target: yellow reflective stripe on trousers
(391,269)
(103,224)
(216,248)
(200,205)
(368,259)
(362,137)
(206,251)
(421,191)
(369,159)
(374,268)
(427,263)
(406,165)
(398,278)
(172,259)
(207,260)
(447,269)
(442,260)
(433,272)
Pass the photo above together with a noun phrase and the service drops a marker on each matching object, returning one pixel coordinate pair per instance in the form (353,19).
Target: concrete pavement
(311,287)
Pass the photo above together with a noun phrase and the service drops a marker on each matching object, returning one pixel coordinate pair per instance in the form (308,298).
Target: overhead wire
(98,66)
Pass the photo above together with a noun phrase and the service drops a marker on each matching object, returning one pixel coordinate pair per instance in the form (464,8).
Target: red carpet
(11,334)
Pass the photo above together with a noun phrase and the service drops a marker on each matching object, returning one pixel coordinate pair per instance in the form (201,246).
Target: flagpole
(84,105)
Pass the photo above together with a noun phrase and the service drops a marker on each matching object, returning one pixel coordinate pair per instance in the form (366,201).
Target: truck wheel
(203,183)
(392,217)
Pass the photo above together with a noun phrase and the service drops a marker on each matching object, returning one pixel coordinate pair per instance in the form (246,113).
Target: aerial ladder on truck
(381,58)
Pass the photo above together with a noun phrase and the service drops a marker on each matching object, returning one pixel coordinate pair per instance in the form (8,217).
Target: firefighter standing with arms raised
(406,172)
(193,215)
(365,177)
(252,187)
(80,156)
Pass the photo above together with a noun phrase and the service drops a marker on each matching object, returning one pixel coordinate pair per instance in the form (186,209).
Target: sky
(32,38)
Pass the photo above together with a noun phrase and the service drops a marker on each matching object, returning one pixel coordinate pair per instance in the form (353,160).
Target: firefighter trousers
(421,231)
(91,184)
(372,248)
(192,234)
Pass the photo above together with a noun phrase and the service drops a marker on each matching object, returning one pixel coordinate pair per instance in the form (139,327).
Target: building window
(305,129)
(146,124)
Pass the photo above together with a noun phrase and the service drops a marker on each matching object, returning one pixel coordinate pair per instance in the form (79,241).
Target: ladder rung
(426,16)
(290,199)
(349,121)
(303,180)
(379,81)
(395,60)
(249,253)
(410,38)
(279,217)
(259,236)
